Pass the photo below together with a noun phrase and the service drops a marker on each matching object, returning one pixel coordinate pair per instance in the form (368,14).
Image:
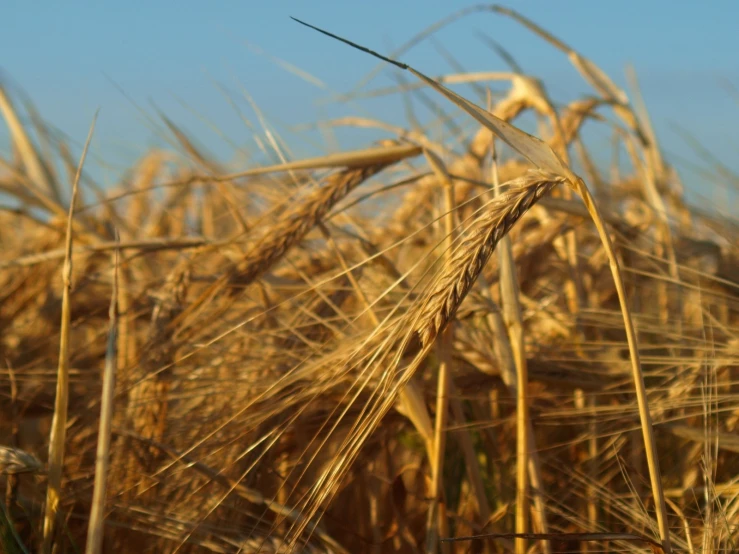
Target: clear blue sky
(70,57)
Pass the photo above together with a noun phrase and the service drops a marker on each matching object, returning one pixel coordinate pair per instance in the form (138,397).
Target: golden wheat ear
(546,160)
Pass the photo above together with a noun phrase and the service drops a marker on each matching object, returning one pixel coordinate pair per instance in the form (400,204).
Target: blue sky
(72,57)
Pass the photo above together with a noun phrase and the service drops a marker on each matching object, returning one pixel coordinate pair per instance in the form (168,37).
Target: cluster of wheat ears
(483,342)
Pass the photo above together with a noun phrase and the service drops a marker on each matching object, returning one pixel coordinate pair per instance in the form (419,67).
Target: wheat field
(462,331)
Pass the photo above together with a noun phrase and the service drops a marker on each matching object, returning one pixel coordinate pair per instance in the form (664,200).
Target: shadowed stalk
(437,524)
(59,422)
(509,377)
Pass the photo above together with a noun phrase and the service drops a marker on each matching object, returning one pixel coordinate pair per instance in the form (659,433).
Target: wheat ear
(295,225)
(475,250)
(438,306)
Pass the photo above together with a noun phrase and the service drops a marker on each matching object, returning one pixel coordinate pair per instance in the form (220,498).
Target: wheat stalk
(59,423)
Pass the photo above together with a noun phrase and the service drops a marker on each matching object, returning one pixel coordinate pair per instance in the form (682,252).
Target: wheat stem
(59,421)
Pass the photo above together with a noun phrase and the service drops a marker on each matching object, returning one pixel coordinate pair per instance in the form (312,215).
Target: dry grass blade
(430,30)
(531,148)
(59,422)
(355,159)
(95,531)
(450,79)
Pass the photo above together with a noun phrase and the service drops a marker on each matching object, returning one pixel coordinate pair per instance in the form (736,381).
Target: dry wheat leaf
(355,158)
(531,148)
